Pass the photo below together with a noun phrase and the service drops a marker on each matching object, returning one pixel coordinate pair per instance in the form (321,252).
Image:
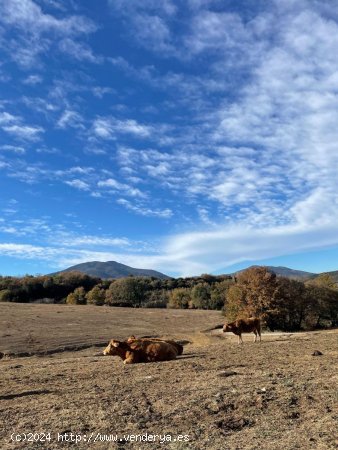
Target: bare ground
(273,395)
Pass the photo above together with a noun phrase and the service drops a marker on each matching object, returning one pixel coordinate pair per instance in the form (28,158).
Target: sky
(185,136)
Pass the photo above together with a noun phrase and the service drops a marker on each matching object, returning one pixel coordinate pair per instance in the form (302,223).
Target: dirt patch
(274,395)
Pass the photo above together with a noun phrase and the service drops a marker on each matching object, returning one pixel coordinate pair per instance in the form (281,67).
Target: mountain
(333,274)
(292,273)
(288,273)
(111,269)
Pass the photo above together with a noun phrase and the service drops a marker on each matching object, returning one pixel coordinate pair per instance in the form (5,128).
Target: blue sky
(186,136)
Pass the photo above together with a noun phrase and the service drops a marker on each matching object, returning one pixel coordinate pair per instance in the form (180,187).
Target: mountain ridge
(114,269)
(286,272)
(111,269)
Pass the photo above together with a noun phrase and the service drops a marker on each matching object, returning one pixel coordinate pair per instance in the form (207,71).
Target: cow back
(154,350)
(248,325)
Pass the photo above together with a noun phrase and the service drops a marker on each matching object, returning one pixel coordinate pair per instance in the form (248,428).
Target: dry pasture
(274,395)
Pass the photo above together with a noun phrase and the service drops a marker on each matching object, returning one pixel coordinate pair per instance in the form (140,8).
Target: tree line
(280,302)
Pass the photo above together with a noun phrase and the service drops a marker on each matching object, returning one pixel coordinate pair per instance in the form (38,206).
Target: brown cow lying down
(141,350)
(239,326)
(178,346)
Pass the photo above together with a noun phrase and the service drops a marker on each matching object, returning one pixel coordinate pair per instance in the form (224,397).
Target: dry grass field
(218,395)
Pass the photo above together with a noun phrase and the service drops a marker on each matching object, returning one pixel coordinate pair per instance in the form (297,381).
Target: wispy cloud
(14,125)
(78,184)
(38,30)
(71,119)
(25,132)
(146,211)
(110,127)
(13,148)
(33,79)
(148,22)
(28,15)
(79,51)
(114,186)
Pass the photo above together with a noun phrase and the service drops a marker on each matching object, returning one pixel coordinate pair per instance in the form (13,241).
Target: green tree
(323,294)
(218,294)
(96,296)
(179,298)
(158,298)
(200,296)
(126,292)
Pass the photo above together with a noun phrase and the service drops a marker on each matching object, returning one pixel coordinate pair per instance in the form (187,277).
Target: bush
(96,296)
(78,297)
(179,298)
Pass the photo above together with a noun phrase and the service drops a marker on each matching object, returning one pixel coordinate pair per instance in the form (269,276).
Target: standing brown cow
(239,326)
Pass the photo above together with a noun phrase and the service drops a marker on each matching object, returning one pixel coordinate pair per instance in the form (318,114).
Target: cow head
(114,348)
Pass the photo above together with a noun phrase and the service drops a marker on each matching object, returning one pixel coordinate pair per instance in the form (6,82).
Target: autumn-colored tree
(78,297)
(235,302)
(260,287)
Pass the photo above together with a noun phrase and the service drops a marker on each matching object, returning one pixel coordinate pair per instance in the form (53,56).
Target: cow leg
(255,338)
(128,361)
(130,358)
(240,340)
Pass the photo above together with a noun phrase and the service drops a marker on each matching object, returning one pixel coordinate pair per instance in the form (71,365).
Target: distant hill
(292,273)
(111,269)
(333,274)
(289,273)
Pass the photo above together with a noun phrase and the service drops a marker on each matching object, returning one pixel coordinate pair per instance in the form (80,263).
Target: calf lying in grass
(143,350)
(178,346)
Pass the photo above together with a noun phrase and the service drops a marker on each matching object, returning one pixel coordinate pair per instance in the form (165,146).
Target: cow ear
(116,344)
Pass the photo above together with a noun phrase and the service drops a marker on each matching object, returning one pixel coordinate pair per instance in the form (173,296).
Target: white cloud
(78,184)
(145,211)
(26,132)
(113,185)
(102,128)
(147,22)
(33,79)
(37,30)
(110,127)
(101,91)
(79,51)
(27,251)
(7,118)
(14,126)
(96,241)
(28,15)
(13,148)
(70,119)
